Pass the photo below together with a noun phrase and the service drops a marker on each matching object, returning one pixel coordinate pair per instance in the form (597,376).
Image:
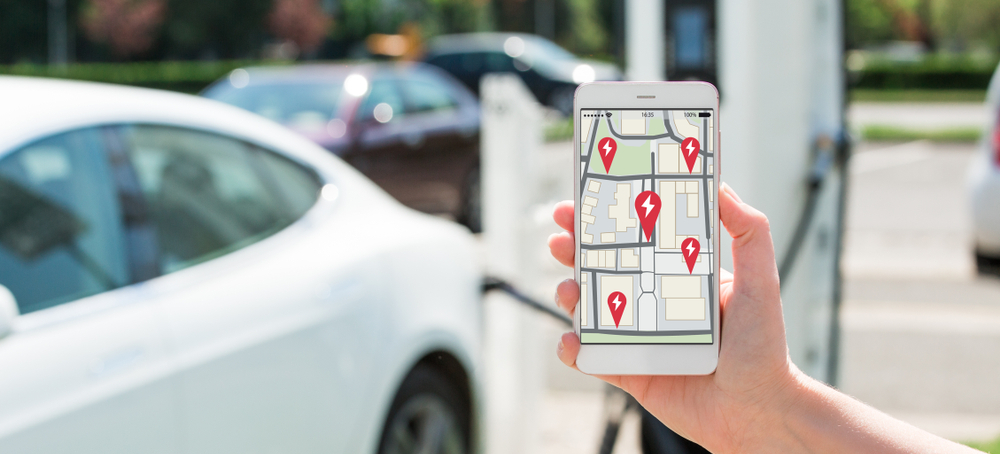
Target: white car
(984,176)
(182,276)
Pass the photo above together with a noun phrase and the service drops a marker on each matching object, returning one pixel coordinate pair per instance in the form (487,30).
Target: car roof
(474,42)
(34,108)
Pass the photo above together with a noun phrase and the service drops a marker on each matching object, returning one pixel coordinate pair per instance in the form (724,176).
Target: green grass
(560,130)
(869,95)
(893,133)
(989,446)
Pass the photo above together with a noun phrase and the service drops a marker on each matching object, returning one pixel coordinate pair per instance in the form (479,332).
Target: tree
(127,26)
(300,21)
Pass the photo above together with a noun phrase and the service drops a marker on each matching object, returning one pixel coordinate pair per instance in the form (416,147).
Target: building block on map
(593,261)
(587,218)
(633,123)
(680,286)
(668,158)
(594,186)
(588,200)
(692,205)
(691,187)
(587,209)
(629,258)
(584,305)
(608,237)
(685,309)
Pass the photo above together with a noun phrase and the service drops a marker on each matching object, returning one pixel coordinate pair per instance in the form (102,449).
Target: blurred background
(864,129)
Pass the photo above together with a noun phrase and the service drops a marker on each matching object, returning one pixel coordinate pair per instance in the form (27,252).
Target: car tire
(561,99)
(472,210)
(429,414)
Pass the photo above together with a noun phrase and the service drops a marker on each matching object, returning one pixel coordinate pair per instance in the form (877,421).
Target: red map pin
(647,206)
(607,147)
(616,302)
(690,248)
(690,147)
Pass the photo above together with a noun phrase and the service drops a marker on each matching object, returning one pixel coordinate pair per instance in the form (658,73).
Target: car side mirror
(8,311)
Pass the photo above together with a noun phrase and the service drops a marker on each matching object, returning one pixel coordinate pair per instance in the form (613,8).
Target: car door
(86,369)
(386,138)
(266,330)
(449,148)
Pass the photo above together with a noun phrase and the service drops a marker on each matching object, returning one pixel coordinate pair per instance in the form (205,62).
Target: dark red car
(410,127)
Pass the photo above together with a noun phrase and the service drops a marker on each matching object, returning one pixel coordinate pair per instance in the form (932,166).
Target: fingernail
(559,348)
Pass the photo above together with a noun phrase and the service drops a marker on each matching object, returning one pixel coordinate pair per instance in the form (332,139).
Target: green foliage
(215,29)
(868,22)
(992,446)
(586,33)
(183,76)
(896,134)
(936,72)
(23,26)
(968,24)
(875,95)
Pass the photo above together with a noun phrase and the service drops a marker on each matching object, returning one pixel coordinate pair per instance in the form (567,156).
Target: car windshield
(302,106)
(548,50)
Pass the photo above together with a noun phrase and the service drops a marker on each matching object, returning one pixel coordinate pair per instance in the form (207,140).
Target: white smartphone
(647,246)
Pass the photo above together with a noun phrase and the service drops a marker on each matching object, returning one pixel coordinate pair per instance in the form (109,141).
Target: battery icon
(704,114)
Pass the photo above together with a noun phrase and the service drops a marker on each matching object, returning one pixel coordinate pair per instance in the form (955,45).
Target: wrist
(768,421)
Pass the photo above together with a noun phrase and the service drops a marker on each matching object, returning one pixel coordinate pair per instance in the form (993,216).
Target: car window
(298,186)
(427,93)
(384,102)
(302,106)
(499,62)
(61,228)
(205,192)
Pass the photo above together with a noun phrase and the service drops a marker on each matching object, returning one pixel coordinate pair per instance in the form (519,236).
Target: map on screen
(647,226)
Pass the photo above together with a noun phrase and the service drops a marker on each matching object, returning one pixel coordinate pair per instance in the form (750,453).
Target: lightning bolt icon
(618,302)
(690,248)
(690,147)
(607,147)
(648,206)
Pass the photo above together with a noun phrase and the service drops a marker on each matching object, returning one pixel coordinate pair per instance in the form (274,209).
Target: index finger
(563,214)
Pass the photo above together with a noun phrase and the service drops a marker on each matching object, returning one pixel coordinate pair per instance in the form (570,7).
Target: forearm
(820,419)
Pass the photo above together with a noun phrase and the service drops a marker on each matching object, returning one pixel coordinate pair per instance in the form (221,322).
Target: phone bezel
(648,359)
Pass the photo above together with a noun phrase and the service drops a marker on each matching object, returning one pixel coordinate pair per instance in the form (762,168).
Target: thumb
(754,269)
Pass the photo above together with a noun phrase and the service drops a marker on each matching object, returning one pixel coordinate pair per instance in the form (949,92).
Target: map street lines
(646,226)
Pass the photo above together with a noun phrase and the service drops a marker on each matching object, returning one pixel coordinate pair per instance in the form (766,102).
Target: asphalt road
(921,331)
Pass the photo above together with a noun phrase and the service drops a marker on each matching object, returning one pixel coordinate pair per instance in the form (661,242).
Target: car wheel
(472,213)
(428,415)
(561,99)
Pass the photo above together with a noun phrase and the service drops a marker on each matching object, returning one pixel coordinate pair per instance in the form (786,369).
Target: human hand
(730,409)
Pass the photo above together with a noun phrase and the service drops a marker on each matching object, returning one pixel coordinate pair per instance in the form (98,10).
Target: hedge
(930,74)
(183,76)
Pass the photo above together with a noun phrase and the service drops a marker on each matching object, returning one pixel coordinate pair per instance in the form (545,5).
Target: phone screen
(647,226)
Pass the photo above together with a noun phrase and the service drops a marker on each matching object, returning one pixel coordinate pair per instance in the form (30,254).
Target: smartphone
(647,246)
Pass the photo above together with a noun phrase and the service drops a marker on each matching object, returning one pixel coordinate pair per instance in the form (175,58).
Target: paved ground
(917,115)
(921,331)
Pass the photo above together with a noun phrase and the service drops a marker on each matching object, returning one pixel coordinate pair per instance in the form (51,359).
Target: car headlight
(583,74)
